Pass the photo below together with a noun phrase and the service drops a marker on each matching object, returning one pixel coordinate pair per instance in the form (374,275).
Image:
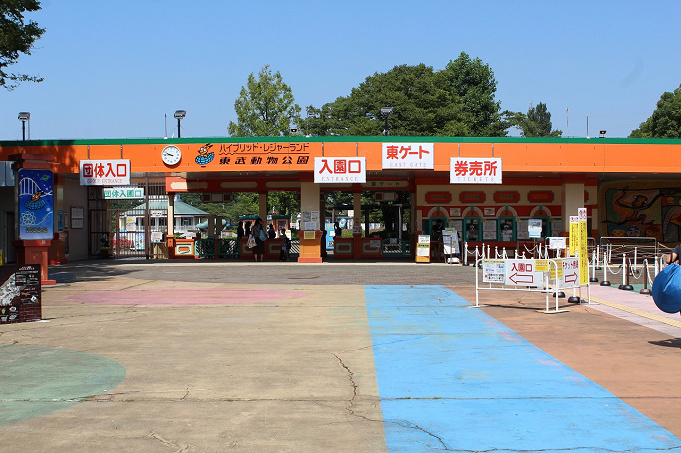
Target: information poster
(450,241)
(493,271)
(534,228)
(36,211)
(423,249)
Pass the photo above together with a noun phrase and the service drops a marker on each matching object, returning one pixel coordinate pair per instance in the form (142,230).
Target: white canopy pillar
(310,235)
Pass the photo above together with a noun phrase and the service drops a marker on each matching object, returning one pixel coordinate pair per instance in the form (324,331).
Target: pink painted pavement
(186,296)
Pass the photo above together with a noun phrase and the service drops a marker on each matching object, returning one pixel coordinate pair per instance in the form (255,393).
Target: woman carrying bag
(258,233)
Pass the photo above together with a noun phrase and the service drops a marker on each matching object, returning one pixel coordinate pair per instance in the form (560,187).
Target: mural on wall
(644,213)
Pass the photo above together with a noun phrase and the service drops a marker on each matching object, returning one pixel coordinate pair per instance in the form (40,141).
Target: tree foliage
(536,123)
(265,107)
(455,101)
(17,36)
(665,122)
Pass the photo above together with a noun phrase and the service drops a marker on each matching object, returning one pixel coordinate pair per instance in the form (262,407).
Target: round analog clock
(171,155)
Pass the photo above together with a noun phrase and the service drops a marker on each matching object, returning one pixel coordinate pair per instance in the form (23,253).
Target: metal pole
(178,129)
(23,130)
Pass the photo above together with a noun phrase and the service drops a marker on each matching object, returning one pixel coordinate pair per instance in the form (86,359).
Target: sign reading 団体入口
(475,170)
(105,172)
(36,204)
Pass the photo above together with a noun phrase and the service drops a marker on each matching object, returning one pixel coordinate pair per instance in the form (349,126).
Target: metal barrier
(396,247)
(228,248)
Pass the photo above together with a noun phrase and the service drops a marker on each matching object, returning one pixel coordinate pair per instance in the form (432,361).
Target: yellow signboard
(552,270)
(423,249)
(583,250)
(541,265)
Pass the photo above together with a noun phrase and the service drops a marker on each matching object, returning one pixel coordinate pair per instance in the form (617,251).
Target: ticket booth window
(428,224)
(507,229)
(471,229)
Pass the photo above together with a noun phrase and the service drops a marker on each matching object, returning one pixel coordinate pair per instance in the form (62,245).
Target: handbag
(262,236)
(251,242)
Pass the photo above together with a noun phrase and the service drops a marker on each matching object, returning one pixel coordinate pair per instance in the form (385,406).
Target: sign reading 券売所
(475,170)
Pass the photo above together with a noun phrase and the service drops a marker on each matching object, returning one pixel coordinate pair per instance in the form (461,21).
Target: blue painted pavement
(452,378)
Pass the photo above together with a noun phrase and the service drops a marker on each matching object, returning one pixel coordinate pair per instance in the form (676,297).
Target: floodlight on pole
(25,117)
(386,111)
(179,114)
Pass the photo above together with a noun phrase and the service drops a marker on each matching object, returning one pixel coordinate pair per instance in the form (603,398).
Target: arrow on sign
(572,278)
(521,278)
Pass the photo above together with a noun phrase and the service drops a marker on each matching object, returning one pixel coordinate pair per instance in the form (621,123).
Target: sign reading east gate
(408,156)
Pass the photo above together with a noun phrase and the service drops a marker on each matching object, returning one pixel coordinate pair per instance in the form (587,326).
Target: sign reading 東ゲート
(105,172)
(475,170)
(408,156)
(340,170)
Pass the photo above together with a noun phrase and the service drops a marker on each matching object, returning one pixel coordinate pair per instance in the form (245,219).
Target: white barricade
(530,275)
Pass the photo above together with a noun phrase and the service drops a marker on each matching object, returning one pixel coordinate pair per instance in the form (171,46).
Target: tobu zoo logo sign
(340,170)
(105,172)
(475,170)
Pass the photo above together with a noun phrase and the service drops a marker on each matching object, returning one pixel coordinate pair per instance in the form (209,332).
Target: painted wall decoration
(654,212)
(36,212)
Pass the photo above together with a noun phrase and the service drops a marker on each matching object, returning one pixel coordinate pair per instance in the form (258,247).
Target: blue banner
(36,204)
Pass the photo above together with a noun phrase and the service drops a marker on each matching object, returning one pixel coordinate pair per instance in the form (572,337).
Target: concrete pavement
(239,356)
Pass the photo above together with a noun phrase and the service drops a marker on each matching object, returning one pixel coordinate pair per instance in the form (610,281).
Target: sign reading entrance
(340,170)
(123,193)
(105,172)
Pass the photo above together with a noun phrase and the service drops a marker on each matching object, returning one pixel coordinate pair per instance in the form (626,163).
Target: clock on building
(171,155)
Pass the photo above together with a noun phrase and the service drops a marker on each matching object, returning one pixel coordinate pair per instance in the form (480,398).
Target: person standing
(240,233)
(338,231)
(673,257)
(247,229)
(285,246)
(436,240)
(271,233)
(259,249)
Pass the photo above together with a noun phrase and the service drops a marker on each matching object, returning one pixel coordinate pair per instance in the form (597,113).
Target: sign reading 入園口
(105,172)
(408,156)
(340,170)
(475,170)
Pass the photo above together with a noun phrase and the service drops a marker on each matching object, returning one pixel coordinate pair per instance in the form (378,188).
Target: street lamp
(24,117)
(385,111)
(179,114)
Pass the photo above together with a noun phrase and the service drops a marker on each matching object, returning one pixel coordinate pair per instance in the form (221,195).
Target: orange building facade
(630,187)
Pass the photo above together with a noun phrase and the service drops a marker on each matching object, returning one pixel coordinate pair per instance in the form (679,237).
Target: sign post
(423,249)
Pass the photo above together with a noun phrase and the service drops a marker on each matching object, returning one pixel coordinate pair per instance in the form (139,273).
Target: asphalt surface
(353,356)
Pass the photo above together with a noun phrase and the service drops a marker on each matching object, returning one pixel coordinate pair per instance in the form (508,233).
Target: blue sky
(113,69)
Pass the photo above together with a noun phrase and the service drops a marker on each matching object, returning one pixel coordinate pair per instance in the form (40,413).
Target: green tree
(456,101)
(265,107)
(536,123)
(665,122)
(473,85)
(16,36)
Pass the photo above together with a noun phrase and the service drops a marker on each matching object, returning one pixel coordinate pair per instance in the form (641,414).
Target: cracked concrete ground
(281,366)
